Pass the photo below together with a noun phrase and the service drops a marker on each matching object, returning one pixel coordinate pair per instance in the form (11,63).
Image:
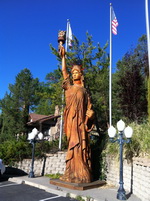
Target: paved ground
(11,191)
(106,193)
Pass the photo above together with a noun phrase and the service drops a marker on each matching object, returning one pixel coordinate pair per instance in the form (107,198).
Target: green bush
(141,135)
(139,145)
(12,151)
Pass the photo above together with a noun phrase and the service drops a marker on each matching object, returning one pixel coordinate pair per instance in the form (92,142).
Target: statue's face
(76,75)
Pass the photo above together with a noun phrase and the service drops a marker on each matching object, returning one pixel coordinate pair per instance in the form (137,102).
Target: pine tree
(130,90)
(16,105)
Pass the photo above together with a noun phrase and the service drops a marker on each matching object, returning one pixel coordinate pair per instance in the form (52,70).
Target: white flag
(68,36)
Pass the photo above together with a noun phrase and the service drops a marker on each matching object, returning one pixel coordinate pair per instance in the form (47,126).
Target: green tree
(130,89)
(50,93)
(16,105)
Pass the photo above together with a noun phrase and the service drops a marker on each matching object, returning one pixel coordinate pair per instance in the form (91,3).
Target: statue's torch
(61,39)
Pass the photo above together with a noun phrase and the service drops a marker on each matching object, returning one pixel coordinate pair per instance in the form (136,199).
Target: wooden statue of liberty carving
(77,117)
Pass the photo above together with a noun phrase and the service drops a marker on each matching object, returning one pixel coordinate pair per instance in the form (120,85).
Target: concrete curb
(57,191)
(54,191)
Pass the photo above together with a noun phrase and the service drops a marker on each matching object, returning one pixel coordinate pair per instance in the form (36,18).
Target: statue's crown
(77,67)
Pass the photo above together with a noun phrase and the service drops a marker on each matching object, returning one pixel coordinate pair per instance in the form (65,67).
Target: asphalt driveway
(10,191)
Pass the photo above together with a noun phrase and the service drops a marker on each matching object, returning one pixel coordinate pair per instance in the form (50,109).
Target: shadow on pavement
(11,172)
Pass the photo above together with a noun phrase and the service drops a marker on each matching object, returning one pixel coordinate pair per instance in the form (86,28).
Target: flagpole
(61,122)
(110,70)
(62,98)
(147,30)
(148,47)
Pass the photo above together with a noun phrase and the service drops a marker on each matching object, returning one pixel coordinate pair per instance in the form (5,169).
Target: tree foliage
(130,89)
(50,93)
(16,105)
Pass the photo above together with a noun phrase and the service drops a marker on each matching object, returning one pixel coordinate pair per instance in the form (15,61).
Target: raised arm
(64,68)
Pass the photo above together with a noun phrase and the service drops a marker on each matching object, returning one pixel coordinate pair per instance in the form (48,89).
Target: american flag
(114,23)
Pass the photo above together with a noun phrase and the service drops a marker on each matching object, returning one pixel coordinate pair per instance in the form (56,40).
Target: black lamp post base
(31,174)
(121,195)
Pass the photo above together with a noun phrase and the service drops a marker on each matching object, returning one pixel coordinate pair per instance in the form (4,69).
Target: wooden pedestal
(75,186)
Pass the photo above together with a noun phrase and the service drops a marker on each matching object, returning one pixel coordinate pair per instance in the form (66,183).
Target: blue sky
(27,27)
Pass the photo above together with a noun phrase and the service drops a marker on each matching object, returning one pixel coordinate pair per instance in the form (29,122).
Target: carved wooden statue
(77,116)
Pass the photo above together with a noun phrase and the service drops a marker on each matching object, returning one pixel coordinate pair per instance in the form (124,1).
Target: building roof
(39,118)
(35,117)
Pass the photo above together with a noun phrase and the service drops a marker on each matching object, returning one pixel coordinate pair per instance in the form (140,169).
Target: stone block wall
(55,163)
(52,164)
(136,176)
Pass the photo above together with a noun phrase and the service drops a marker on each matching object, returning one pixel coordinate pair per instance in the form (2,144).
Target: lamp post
(33,137)
(124,136)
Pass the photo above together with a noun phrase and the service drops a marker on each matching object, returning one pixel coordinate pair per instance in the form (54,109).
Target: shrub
(139,145)
(12,151)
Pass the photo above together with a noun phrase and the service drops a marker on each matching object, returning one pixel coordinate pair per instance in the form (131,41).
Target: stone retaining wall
(136,174)
(52,164)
